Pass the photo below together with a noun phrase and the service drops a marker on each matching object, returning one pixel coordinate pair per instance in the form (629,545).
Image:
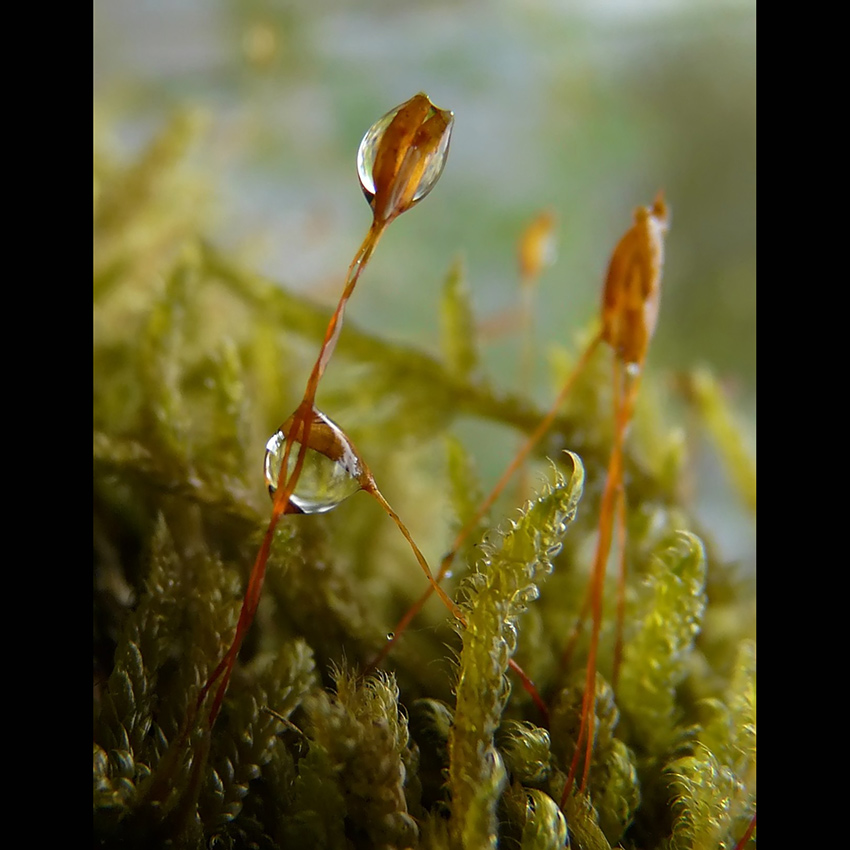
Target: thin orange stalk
(629,312)
(607,512)
(536,251)
(461,537)
(748,834)
(300,433)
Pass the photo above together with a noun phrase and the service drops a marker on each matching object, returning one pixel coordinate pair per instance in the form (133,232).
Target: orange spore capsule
(537,247)
(403,155)
(630,299)
(630,304)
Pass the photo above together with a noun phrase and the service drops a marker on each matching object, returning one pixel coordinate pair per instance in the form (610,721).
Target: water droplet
(403,155)
(510,636)
(390,636)
(332,470)
(525,596)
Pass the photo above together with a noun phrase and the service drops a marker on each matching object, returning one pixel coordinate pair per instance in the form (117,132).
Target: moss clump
(196,362)
(497,593)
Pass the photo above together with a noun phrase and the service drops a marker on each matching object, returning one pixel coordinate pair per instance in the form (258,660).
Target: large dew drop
(332,470)
(413,143)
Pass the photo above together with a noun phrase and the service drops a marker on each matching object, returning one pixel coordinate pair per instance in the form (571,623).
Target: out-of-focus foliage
(196,361)
(579,106)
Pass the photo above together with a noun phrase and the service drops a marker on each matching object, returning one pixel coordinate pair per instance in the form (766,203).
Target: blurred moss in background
(585,107)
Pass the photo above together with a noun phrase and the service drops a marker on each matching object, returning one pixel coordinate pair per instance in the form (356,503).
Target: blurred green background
(585,107)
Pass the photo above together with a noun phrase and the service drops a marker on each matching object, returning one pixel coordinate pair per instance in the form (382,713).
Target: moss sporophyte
(639,731)
(400,159)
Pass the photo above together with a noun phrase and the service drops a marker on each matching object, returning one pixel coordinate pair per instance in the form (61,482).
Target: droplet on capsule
(403,155)
(332,470)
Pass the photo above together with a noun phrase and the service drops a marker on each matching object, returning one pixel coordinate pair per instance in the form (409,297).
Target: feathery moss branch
(505,582)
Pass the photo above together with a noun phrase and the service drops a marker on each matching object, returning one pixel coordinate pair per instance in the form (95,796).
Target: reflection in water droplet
(331,471)
(390,635)
(524,597)
(367,151)
(510,637)
(435,121)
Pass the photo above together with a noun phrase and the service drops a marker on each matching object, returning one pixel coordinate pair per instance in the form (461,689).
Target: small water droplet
(331,472)
(510,637)
(449,574)
(390,636)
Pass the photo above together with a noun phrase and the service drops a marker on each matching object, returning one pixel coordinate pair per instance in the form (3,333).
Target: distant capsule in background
(332,469)
(537,248)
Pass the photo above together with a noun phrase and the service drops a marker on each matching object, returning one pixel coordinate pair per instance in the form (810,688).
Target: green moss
(196,361)
(666,620)
(505,582)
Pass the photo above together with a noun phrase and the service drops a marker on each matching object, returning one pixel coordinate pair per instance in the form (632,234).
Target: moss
(196,361)
(505,582)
